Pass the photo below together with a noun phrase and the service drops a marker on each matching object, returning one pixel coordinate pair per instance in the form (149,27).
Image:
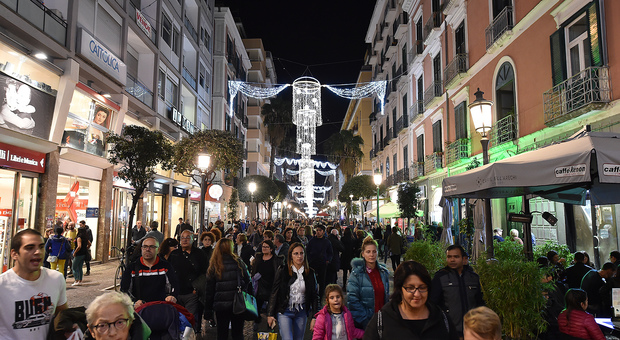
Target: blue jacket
(360,294)
(58,246)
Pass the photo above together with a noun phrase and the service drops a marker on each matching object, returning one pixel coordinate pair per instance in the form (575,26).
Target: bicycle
(118,276)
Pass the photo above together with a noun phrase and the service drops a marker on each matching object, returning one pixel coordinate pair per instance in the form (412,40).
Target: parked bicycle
(118,276)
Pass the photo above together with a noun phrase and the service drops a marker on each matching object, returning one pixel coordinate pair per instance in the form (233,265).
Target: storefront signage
(159,188)
(216,191)
(194,195)
(181,121)
(611,169)
(92,212)
(144,24)
(179,192)
(571,170)
(14,157)
(99,55)
(6,212)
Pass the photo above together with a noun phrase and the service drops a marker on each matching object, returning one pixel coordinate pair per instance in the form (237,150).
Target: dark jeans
(395,261)
(223,320)
(331,275)
(191,303)
(320,269)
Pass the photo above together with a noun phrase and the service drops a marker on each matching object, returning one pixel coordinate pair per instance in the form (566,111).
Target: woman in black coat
(266,264)
(294,295)
(222,279)
(347,255)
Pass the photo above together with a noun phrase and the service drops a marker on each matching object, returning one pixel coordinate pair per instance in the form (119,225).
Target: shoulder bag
(54,258)
(244,304)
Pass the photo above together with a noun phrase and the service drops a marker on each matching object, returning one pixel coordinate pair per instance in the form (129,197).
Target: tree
(140,151)
(233,205)
(278,118)
(408,199)
(345,148)
(266,190)
(282,193)
(361,186)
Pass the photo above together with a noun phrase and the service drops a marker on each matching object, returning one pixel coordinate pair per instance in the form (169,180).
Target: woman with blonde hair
(225,269)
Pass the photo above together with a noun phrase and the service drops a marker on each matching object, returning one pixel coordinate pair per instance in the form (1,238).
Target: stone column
(48,187)
(104,223)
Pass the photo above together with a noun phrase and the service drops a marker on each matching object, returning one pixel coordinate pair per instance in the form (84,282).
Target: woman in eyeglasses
(111,316)
(264,271)
(409,314)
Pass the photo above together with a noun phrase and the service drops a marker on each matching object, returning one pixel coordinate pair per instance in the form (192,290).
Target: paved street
(101,279)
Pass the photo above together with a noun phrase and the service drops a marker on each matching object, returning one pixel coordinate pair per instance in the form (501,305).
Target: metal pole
(377,205)
(484,141)
(201,222)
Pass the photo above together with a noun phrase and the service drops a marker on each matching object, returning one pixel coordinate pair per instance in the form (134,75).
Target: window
(87,123)
(437,71)
(387,166)
(460,120)
(420,148)
(437,138)
(205,38)
(161,84)
(420,88)
(419,36)
(172,93)
(201,77)
(459,39)
(166,30)
(395,162)
(405,107)
(227,127)
(405,156)
(381,134)
(176,41)
(403,54)
(576,42)
(505,91)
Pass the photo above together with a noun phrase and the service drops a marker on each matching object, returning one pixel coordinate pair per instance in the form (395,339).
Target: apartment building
(548,67)
(80,69)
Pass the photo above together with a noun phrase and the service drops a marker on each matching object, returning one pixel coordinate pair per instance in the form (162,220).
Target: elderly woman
(409,314)
(111,316)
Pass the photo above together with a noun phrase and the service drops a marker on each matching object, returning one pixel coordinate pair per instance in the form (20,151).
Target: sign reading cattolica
(14,157)
(95,52)
(571,170)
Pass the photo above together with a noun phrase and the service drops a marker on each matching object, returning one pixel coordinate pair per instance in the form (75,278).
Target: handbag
(244,304)
(267,335)
(54,258)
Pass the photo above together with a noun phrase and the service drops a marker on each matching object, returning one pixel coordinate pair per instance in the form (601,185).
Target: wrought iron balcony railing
(372,154)
(504,130)
(416,109)
(402,175)
(389,136)
(457,66)
(434,21)
(416,170)
(433,91)
(457,150)
(433,162)
(502,23)
(587,90)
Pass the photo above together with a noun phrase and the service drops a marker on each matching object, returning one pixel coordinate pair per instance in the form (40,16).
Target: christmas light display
(235,86)
(320,172)
(364,91)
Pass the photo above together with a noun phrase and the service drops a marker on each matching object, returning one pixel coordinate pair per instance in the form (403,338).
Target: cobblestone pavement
(101,279)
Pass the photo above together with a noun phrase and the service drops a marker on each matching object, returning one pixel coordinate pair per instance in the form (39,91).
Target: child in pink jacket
(335,319)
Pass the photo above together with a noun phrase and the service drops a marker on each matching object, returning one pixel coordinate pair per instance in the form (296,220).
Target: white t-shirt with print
(26,306)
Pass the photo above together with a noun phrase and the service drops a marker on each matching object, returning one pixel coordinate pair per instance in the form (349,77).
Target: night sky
(321,39)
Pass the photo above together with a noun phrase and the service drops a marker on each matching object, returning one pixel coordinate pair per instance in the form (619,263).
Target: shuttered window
(420,148)
(460,120)
(437,140)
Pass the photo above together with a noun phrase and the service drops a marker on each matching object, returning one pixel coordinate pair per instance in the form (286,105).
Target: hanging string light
(293,161)
(364,91)
(252,91)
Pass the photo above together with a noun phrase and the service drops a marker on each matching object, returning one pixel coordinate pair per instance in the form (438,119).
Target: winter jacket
(337,248)
(323,326)
(360,294)
(246,252)
(280,293)
(579,324)
(221,291)
(188,267)
(264,289)
(58,245)
(456,294)
(347,254)
(575,273)
(154,283)
(393,326)
(395,244)
(319,251)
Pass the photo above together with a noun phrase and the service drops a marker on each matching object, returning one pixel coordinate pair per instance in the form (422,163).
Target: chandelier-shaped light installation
(257,92)
(359,92)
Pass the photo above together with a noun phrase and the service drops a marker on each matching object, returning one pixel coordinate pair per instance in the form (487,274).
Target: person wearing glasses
(150,278)
(409,314)
(111,316)
(456,287)
(264,268)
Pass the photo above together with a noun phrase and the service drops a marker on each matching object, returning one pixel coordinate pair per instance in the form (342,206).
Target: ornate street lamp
(202,163)
(252,188)
(482,116)
(378,178)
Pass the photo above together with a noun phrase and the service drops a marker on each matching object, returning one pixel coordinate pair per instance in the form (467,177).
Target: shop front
(194,207)
(122,198)
(156,206)
(179,198)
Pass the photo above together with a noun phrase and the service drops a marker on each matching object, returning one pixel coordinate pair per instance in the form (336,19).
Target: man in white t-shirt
(31,295)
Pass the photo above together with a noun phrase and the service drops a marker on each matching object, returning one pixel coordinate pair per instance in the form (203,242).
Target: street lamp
(377,178)
(203,162)
(252,188)
(482,115)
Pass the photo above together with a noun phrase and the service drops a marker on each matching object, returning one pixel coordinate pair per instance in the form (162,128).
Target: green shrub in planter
(513,288)
(561,249)
(508,250)
(431,254)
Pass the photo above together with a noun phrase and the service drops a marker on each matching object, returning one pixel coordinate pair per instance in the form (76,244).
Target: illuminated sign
(98,54)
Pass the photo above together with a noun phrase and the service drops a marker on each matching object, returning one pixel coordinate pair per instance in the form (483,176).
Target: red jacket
(580,325)
(323,325)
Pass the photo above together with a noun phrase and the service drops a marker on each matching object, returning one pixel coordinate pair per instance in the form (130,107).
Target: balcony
(191,30)
(389,180)
(373,117)
(433,162)
(139,90)
(456,69)
(433,91)
(415,110)
(401,124)
(41,17)
(389,136)
(449,5)
(457,150)
(373,58)
(378,147)
(503,23)
(431,29)
(588,90)
(416,170)
(503,131)
(415,51)
(371,154)
(390,10)
(392,48)
(402,175)
(378,42)
(400,25)
(189,78)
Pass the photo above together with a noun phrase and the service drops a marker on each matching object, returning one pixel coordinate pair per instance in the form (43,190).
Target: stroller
(167,320)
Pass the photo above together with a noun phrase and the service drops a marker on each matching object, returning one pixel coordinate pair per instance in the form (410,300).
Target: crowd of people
(292,269)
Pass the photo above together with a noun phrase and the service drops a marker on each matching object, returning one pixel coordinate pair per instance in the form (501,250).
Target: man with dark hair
(150,278)
(178,231)
(456,288)
(155,233)
(334,264)
(592,282)
(137,232)
(319,253)
(89,235)
(281,245)
(243,249)
(574,274)
(614,257)
(31,295)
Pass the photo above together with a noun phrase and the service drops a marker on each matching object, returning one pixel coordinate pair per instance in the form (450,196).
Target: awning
(388,210)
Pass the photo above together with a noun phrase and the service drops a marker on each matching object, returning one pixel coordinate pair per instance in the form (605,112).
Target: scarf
(298,290)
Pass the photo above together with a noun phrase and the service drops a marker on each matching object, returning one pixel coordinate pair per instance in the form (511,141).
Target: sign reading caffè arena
(181,120)
(95,52)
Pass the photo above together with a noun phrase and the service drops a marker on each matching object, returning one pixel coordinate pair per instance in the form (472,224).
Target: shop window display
(87,124)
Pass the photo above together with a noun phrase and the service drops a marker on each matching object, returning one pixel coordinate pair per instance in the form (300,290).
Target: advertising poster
(24,108)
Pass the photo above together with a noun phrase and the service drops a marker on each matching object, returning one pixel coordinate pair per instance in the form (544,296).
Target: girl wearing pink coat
(335,318)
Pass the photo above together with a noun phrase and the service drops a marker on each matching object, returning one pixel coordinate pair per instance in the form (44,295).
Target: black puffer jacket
(221,291)
(280,294)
